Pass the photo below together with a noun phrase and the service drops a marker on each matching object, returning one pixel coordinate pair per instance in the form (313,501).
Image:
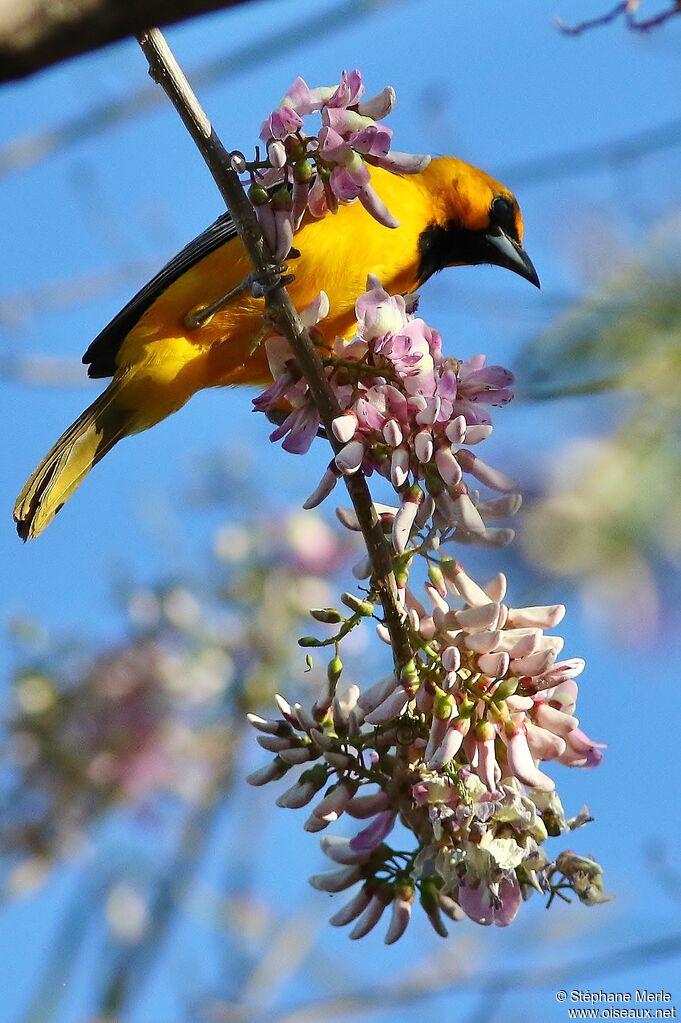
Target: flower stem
(165,70)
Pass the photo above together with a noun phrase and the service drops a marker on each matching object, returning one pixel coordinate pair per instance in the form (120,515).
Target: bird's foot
(260,283)
(273,277)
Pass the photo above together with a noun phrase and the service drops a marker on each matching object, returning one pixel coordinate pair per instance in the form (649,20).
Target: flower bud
(423,445)
(505,689)
(430,902)
(335,669)
(337,880)
(451,658)
(352,909)
(392,707)
(350,457)
(303,171)
(268,726)
(372,914)
(300,794)
(276,153)
(328,615)
(356,604)
(401,913)
(297,756)
(324,487)
(271,772)
(437,579)
(392,433)
(404,519)
(344,426)
(409,677)
(258,195)
(443,705)
(399,466)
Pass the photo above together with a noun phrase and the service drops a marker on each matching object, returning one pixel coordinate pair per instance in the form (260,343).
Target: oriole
(450,214)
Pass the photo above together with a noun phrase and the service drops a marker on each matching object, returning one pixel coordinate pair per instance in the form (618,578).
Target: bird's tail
(64,467)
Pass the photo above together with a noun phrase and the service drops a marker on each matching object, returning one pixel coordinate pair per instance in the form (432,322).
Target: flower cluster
(450,749)
(317,172)
(449,745)
(409,413)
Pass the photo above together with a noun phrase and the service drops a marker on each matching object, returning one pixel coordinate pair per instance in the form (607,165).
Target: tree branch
(165,70)
(37,33)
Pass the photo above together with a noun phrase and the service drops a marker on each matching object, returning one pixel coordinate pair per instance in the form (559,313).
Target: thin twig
(586,26)
(646,24)
(165,70)
(627,9)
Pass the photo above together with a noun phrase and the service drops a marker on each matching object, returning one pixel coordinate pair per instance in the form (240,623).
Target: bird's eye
(502,210)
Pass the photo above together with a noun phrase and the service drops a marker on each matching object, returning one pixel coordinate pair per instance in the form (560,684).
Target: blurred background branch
(415,989)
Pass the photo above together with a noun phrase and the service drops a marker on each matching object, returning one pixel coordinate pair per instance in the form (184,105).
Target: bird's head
(476,220)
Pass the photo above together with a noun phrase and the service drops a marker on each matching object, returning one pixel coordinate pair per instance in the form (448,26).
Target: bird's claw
(260,283)
(271,278)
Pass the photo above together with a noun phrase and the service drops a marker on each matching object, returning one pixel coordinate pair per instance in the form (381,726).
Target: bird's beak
(504,251)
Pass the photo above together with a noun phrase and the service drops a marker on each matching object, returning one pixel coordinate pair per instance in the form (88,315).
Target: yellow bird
(450,214)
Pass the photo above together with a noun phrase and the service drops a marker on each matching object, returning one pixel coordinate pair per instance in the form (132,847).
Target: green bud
(308,662)
(402,577)
(356,604)
(303,171)
(409,676)
(429,889)
(385,891)
(466,707)
(404,890)
(506,688)
(328,615)
(258,195)
(442,705)
(294,147)
(484,731)
(435,575)
(306,641)
(433,480)
(450,568)
(335,669)
(318,775)
(281,199)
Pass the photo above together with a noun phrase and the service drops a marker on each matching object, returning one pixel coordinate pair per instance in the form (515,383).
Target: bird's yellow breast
(336,254)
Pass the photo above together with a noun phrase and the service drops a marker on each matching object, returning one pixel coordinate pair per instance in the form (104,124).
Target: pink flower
(581,750)
(349,91)
(487,384)
(280,124)
(487,907)
(372,836)
(299,429)
(377,313)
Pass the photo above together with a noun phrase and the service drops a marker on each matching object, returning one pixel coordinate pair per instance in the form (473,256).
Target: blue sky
(493,82)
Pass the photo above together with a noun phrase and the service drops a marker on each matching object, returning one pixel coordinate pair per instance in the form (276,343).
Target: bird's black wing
(101,355)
